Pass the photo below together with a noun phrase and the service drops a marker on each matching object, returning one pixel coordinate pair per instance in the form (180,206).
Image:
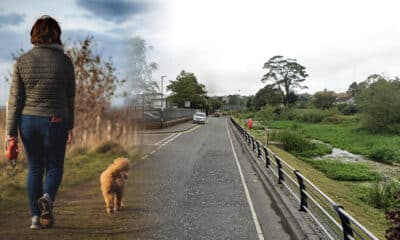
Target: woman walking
(41,106)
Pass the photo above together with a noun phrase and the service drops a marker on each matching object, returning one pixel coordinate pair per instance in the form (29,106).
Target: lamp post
(162,101)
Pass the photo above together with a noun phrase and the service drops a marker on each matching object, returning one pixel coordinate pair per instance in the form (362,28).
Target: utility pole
(162,101)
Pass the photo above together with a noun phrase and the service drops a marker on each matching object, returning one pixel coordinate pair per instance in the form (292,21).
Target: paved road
(190,187)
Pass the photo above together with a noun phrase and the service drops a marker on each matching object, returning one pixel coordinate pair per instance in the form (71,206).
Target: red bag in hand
(12,151)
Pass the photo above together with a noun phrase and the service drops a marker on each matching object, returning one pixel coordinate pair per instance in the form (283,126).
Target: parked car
(199,117)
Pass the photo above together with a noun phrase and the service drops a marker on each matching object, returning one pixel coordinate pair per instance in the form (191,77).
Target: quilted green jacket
(43,84)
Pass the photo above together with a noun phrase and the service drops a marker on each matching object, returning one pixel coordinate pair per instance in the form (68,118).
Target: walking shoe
(35,223)
(46,206)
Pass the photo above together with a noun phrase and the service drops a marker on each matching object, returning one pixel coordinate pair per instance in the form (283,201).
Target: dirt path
(80,214)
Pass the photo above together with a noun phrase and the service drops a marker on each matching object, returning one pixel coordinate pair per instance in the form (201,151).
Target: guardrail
(330,216)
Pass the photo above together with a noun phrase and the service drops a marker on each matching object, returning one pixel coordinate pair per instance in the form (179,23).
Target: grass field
(345,135)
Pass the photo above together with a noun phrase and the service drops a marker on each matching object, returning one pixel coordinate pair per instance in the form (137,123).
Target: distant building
(344,98)
(148,101)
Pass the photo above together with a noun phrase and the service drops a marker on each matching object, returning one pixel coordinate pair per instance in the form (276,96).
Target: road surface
(199,185)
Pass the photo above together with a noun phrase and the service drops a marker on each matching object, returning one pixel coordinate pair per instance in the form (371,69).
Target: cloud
(10,19)
(117,11)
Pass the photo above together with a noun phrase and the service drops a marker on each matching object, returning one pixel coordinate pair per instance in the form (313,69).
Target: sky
(224,42)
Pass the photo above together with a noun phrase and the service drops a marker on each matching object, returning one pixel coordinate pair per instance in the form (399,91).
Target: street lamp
(162,100)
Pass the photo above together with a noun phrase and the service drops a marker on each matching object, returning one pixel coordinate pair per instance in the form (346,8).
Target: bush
(334,119)
(297,144)
(341,171)
(311,115)
(317,115)
(245,115)
(384,196)
(265,114)
(347,109)
(324,99)
(380,105)
(383,154)
(294,142)
(286,114)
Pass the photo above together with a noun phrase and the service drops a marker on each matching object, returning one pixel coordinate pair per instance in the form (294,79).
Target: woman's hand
(70,136)
(8,140)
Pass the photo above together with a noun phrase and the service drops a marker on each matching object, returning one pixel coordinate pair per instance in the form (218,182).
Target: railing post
(280,172)
(347,230)
(267,161)
(258,149)
(303,195)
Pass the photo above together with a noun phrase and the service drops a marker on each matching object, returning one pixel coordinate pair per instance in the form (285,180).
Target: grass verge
(78,168)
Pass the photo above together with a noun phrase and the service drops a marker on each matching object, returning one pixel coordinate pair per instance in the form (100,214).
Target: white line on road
(171,139)
(165,139)
(246,190)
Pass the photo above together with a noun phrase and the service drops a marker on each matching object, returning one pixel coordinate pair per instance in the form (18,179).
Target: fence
(331,217)
(155,118)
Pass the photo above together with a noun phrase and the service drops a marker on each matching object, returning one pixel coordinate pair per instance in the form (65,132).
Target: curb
(166,132)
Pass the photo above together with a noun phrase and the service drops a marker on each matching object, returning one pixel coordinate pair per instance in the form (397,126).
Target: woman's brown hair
(46,31)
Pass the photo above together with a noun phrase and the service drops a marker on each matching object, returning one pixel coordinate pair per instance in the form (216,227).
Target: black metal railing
(331,217)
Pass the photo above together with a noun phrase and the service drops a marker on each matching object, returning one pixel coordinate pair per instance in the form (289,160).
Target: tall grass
(341,171)
(299,145)
(384,195)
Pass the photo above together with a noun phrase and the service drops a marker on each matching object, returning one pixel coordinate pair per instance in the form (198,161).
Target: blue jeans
(44,142)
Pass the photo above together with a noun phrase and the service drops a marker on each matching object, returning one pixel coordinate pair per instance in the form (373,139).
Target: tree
(292,98)
(214,104)
(187,88)
(250,103)
(234,100)
(324,99)
(286,74)
(353,89)
(379,104)
(96,83)
(140,71)
(267,95)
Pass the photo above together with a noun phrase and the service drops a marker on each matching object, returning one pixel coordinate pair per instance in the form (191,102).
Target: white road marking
(190,130)
(246,190)
(165,139)
(171,139)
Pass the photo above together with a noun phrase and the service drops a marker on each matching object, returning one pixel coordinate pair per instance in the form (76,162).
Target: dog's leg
(108,198)
(118,198)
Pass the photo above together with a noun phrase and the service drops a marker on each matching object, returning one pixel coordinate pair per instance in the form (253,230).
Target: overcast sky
(224,42)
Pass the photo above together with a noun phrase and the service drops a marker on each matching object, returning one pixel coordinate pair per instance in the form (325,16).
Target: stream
(340,154)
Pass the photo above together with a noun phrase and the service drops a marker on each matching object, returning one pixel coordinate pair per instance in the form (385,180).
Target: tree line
(376,99)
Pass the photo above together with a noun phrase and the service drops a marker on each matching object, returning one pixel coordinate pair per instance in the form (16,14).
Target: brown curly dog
(112,182)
